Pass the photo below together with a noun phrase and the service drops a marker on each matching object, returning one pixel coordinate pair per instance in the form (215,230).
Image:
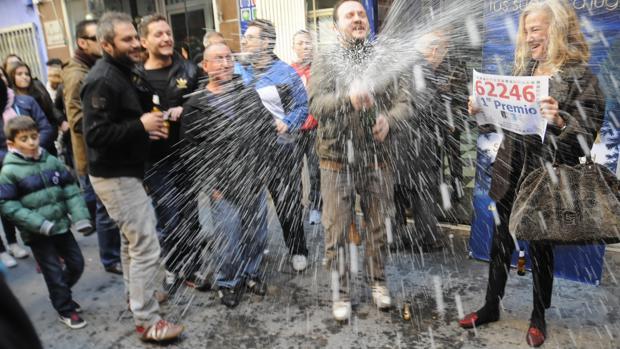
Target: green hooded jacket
(39,195)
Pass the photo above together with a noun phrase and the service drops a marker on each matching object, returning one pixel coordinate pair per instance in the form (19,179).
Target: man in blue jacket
(282,92)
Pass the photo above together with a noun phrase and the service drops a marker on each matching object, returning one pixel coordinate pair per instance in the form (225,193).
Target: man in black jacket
(429,136)
(227,132)
(170,77)
(117,133)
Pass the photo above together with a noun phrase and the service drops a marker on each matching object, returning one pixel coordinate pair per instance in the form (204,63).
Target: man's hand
(472,109)
(175,113)
(361,100)
(281,127)
(216,195)
(64,127)
(550,110)
(154,124)
(381,128)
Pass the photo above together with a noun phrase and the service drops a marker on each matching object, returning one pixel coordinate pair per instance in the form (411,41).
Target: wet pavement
(296,313)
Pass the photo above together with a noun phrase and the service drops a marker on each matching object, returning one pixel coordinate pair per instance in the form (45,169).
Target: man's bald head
(218,62)
(214,46)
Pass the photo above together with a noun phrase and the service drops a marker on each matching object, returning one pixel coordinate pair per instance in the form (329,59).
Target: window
(319,14)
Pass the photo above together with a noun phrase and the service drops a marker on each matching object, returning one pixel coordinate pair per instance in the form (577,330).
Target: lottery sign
(511,102)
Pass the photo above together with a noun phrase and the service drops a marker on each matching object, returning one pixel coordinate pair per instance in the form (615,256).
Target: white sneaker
(300,262)
(381,295)
(341,310)
(17,251)
(7,260)
(315,217)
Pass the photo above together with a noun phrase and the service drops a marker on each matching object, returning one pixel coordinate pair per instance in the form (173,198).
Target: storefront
(189,19)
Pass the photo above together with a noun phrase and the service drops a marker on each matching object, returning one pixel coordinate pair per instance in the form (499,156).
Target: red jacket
(304,73)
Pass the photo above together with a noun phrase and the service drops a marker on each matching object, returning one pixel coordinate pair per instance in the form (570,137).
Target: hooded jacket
(28,106)
(39,194)
(345,135)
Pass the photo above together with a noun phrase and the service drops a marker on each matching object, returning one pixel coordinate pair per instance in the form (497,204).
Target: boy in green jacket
(38,194)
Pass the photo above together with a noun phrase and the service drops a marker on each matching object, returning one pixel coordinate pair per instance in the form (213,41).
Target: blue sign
(247,13)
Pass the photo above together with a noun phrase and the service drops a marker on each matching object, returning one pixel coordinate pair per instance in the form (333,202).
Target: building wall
(228,19)
(52,17)
(288,17)
(16,12)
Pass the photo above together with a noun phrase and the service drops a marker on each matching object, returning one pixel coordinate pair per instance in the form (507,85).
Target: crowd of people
(148,140)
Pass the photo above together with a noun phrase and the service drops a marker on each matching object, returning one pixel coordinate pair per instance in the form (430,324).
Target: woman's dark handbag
(568,204)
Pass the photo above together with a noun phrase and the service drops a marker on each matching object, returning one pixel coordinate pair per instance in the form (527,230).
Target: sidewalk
(296,313)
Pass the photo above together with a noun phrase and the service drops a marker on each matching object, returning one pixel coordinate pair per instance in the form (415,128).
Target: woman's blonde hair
(566,42)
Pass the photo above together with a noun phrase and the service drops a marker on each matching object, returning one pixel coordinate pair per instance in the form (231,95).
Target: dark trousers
(501,251)
(9,232)
(161,187)
(47,251)
(307,143)
(424,207)
(184,249)
(285,188)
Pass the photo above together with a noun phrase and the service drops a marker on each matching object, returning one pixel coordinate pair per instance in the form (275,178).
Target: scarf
(85,58)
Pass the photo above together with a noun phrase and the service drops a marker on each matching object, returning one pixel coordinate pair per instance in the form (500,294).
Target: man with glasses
(167,75)
(227,132)
(73,75)
(282,92)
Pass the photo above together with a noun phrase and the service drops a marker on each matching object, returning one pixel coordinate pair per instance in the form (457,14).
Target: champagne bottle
(369,117)
(157,108)
(521,263)
(406,313)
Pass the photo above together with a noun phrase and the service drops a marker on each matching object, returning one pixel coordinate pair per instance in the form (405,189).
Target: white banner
(511,102)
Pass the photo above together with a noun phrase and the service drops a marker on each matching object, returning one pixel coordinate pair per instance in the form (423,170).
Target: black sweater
(182,78)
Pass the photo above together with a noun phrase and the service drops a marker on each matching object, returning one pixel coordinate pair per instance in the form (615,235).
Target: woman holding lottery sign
(549,43)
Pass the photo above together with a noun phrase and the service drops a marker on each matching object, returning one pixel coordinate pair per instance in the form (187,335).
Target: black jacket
(115,138)
(228,144)
(182,80)
(424,137)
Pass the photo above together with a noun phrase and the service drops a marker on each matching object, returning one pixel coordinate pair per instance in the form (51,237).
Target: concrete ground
(296,313)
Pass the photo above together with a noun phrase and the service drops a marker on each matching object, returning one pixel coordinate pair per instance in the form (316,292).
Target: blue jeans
(108,235)
(240,237)
(59,280)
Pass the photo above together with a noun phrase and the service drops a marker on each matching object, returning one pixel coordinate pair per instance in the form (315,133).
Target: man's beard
(351,41)
(124,59)
(251,57)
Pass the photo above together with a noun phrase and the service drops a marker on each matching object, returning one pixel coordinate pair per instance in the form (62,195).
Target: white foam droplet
(445,196)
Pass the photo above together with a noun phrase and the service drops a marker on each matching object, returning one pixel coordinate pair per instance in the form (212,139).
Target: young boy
(37,193)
